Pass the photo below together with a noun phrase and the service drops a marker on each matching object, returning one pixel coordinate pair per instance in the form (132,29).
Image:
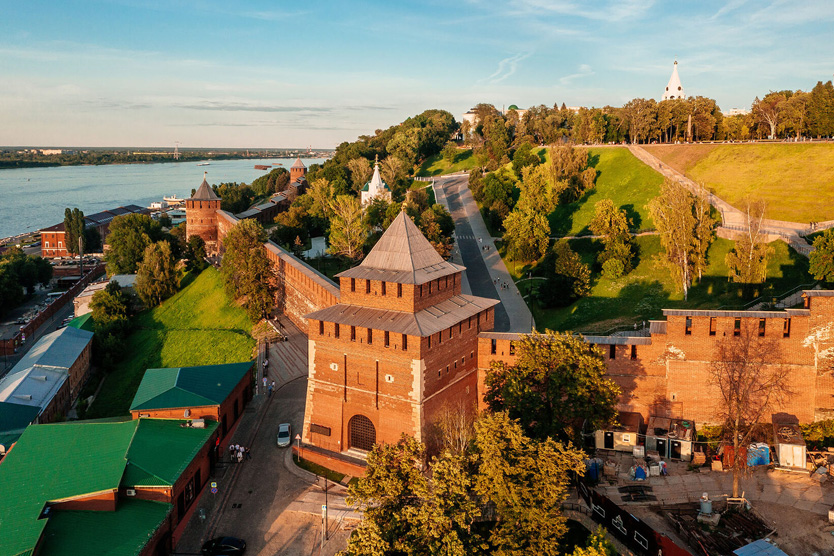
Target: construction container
(790,445)
(622,438)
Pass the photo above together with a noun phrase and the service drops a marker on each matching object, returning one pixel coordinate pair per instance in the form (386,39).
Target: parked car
(284,435)
(224,546)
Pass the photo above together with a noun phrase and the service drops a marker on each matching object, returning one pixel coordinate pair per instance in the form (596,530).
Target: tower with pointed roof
(201,216)
(298,171)
(375,187)
(674,89)
(399,346)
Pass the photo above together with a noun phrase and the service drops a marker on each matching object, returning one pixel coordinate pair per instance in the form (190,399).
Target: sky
(273,74)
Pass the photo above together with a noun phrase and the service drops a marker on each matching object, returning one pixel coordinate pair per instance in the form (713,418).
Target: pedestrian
(271,386)
(240,456)
(231,450)
(247,454)
(264,379)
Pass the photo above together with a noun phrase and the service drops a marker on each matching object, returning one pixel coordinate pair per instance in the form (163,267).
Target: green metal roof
(161,450)
(63,461)
(55,462)
(84,322)
(121,533)
(188,386)
(15,416)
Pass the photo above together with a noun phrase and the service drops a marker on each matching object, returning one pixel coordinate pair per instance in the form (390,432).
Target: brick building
(201,216)
(216,393)
(400,343)
(53,238)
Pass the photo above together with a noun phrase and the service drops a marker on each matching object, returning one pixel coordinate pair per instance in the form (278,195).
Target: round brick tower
(297,170)
(201,215)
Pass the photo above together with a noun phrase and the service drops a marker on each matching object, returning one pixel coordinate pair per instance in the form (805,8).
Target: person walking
(264,379)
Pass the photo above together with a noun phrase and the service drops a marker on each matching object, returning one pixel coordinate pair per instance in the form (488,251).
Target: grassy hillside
(437,165)
(795,180)
(198,326)
(621,178)
(643,293)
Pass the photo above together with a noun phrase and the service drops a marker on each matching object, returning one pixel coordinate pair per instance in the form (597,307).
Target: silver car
(284,435)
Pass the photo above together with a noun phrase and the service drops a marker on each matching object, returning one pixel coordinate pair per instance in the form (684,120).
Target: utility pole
(81,256)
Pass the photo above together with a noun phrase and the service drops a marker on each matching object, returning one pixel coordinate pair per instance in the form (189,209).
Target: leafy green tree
(273,182)
(92,240)
(130,235)
(535,191)
(156,277)
(747,262)
(437,225)
(822,257)
(527,235)
(110,309)
(375,213)
(766,111)
(449,152)
(570,280)
(612,225)
(360,173)
(671,212)
(524,157)
(74,226)
(165,220)
(291,224)
(347,230)
(557,382)
(525,480)
(246,270)
(821,110)
(235,197)
(196,252)
(598,545)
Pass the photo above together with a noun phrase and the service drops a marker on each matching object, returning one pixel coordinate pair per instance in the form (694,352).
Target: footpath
(732,218)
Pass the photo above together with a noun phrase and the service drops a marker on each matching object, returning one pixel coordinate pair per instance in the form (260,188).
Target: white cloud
(584,71)
(507,67)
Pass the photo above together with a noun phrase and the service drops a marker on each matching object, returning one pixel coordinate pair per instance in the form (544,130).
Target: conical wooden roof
(205,192)
(298,163)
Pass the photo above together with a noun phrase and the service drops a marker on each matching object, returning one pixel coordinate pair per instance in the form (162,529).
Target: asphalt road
(470,249)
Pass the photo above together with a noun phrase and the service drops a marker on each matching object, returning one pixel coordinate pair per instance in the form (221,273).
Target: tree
(322,194)
(196,252)
(500,495)
(598,545)
(393,173)
(766,111)
(165,220)
(360,172)
(527,235)
(821,110)
(642,118)
(74,226)
(685,237)
(347,230)
(524,156)
(246,270)
(449,152)
(557,382)
(747,262)
(437,225)
(822,257)
(535,191)
(130,235)
(156,277)
(110,309)
(570,280)
(612,225)
(745,370)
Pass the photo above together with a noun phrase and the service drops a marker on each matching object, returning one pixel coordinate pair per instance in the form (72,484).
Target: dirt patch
(797,531)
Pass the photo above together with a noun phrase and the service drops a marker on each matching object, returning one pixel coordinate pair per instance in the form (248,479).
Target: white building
(375,188)
(674,89)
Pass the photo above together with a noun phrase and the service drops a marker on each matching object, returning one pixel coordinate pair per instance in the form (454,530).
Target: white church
(674,89)
(375,188)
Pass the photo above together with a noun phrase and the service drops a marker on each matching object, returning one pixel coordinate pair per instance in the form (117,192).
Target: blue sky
(284,74)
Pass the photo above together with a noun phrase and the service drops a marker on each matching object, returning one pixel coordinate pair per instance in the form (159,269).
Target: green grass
(319,470)
(621,178)
(197,326)
(646,290)
(436,165)
(429,189)
(331,266)
(793,179)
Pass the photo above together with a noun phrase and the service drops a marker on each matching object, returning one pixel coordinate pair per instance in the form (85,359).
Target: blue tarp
(758,454)
(759,548)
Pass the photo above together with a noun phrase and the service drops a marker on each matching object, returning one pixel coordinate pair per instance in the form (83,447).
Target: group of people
(238,453)
(269,386)
(497,282)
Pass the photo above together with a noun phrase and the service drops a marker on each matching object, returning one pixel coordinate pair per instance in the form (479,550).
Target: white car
(284,435)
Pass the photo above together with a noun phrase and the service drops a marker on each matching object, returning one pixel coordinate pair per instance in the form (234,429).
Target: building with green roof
(211,392)
(139,476)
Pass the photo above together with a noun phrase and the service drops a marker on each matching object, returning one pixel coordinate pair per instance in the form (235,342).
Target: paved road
(267,500)
(484,268)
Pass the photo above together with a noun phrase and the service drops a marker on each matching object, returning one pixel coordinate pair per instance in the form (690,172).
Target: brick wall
(398,297)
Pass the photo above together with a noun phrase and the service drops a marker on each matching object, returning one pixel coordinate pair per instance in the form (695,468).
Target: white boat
(204,164)
(173,200)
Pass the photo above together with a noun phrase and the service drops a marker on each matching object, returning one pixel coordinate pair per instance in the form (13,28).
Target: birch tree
(746,371)
(747,262)
(347,230)
(671,212)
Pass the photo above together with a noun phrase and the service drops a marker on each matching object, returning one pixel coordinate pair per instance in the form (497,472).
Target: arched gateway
(361,433)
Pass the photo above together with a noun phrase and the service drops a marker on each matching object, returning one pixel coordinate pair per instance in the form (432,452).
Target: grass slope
(436,165)
(649,288)
(795,180)
(198,326)
(621,178)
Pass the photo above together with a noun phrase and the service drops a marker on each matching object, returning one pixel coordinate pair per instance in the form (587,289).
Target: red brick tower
(298,171)
(201,216)
(400,345)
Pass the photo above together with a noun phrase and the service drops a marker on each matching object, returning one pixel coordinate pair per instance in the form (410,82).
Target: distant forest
(30,158)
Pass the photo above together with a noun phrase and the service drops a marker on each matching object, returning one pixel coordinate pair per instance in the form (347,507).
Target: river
(34,198)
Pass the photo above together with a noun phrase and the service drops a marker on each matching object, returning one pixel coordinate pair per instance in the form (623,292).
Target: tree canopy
(822,257)
(156,277)
(130,235)
(246,270)
(557,383)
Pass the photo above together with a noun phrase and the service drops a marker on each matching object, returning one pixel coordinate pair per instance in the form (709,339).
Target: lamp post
(298,446)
